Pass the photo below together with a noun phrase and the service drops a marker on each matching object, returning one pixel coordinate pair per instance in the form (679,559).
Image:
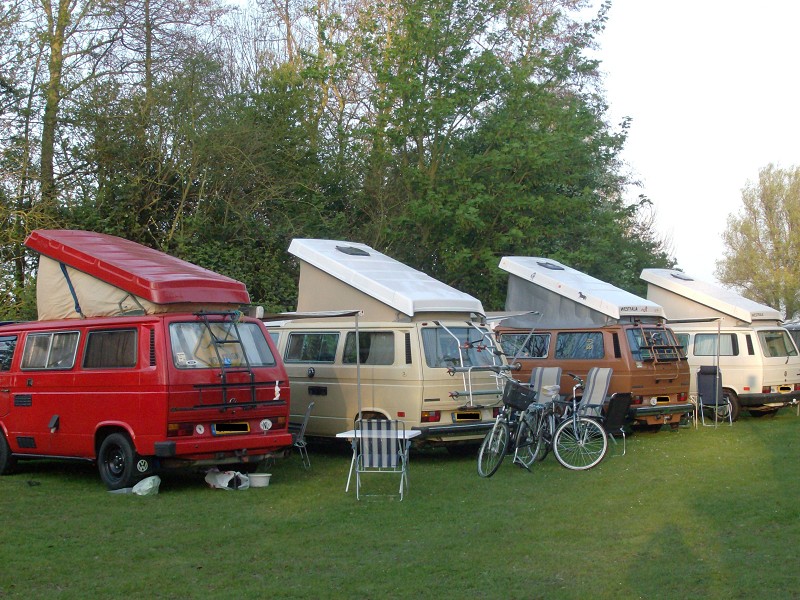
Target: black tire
(763,413)
(580,444)
(118,463)
(544,436)
(736,406)
(493,449)
(7,462)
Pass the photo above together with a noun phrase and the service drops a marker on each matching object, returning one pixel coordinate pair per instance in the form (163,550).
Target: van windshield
(220,344)
(457,346)
(776,343)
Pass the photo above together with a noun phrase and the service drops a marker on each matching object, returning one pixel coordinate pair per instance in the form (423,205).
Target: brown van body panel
(659,385)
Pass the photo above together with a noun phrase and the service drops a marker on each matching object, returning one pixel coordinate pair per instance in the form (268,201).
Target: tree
(762,245)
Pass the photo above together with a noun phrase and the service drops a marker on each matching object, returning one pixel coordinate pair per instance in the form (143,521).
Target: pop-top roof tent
(565,297)
(685,298)
(339,275)
(84,274)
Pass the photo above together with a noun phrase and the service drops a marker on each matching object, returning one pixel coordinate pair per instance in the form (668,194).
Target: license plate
(467,416)
(229,428)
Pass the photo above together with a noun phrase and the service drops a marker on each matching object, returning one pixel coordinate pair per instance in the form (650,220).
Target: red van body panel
(177,416)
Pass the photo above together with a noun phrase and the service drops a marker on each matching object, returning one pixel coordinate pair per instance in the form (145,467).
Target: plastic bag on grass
(147,486)
(227,480)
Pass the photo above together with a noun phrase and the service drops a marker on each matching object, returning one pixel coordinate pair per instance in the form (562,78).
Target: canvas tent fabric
(565,297)
(87,274)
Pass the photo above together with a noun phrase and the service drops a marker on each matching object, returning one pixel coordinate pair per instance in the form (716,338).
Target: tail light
(179,429)
(495,411)
(682,396)
(431,416)
(637,400)
(797,387)
(765,389)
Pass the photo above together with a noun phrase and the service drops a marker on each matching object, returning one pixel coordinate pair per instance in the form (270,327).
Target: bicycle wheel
(580,443)
(493,449)
(524,453)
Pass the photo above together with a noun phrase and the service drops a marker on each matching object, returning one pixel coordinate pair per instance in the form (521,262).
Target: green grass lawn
(706,513)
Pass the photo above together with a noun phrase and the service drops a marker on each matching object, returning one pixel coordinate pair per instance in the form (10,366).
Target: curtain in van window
(376,348)
(110,349)
(705,344)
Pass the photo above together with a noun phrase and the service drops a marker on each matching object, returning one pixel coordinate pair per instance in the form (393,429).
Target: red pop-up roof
(139,270)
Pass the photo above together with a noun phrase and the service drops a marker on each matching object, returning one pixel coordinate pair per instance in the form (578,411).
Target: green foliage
(761,247)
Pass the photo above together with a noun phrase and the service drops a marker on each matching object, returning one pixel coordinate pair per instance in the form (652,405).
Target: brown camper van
(646,359)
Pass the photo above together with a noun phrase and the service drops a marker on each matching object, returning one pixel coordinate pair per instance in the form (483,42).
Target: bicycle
(512,429)
(578,442)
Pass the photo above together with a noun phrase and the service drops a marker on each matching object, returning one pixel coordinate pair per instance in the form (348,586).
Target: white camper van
(757,357)
(581,322)
(423,354)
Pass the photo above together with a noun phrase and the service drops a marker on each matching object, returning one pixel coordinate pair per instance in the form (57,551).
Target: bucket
(259,479)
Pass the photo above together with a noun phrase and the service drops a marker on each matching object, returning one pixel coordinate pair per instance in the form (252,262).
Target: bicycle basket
(518,396)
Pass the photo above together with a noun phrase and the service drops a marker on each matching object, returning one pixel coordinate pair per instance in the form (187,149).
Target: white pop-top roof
(579,287)
(709,294)
(383,278)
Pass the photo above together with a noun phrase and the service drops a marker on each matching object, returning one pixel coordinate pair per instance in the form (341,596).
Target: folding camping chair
(300,440)
(710,396)
(381,447)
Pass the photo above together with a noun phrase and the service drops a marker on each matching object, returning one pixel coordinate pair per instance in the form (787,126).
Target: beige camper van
(416,350)
(757,358)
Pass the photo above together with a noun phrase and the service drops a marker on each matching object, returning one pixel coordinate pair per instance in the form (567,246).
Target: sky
(712,88)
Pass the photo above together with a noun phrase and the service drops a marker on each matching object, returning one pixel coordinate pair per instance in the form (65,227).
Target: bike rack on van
(225,385)
(466,371)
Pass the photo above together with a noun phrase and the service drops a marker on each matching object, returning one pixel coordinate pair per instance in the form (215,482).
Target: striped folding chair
(381,448)
(594,392)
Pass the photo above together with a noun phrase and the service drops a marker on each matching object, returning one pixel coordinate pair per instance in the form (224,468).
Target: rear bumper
(219,450)
(775,399)
(659,410)
(453,432)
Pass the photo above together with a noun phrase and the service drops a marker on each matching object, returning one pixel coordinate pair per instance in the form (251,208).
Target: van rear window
(111,349)
(776,343)
(456,346)
(196,345)
(55,350)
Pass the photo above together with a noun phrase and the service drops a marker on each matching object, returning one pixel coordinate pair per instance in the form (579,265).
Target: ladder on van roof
(218,343)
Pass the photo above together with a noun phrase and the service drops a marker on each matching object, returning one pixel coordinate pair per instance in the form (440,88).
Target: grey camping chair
(595,389)
(543,378)
(300,440)
(710,397)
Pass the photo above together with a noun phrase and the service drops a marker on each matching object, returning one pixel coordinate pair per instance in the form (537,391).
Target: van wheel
(116,462)
(7,462)
(736,406)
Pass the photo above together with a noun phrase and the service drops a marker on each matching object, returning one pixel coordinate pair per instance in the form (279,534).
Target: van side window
(311,347)
(586,345)
(110,349)
(705,344)
(683,340)
(50,350)
(375,348)
(536,345)
(7,345)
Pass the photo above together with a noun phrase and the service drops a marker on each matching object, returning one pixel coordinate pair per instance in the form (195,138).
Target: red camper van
(142,361)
